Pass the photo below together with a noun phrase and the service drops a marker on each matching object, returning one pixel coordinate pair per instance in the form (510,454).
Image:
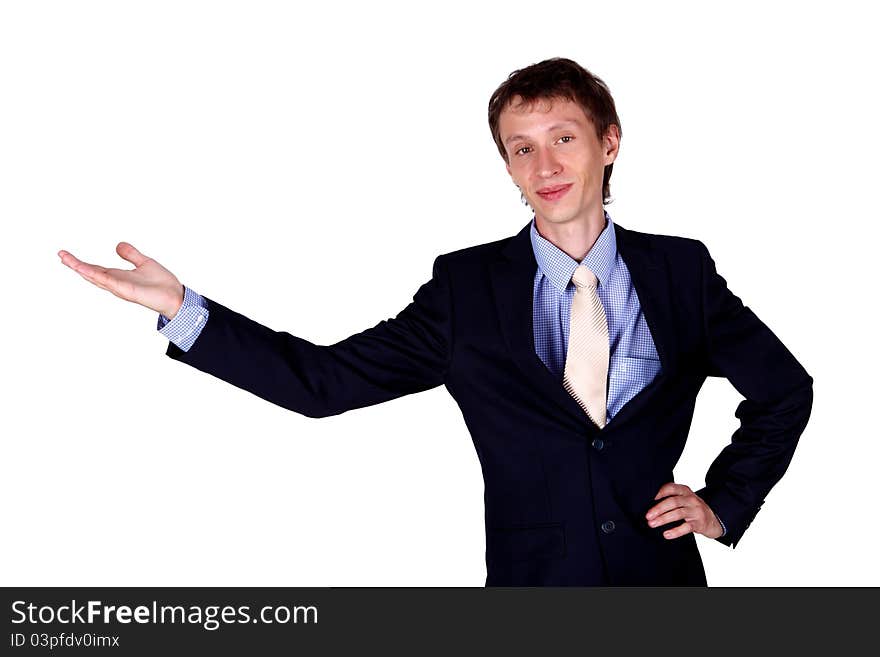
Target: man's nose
(548,165)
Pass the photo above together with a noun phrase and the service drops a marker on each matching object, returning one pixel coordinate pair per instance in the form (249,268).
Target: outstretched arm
(398,356)
(406,354)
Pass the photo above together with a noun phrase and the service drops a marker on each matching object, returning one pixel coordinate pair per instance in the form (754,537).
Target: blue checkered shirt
(633,360)
(633,357)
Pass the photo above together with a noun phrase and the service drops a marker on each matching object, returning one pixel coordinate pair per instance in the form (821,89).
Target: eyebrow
(553,127)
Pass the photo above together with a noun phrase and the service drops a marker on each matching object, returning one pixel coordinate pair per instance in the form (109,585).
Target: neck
(576,236)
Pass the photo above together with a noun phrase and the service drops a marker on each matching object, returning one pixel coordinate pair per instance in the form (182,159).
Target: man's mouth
(554,192)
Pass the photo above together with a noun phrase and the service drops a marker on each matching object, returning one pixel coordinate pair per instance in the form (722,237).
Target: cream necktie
(586,364)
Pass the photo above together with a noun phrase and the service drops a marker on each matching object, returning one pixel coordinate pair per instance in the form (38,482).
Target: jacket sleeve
(406,354)
(778,398)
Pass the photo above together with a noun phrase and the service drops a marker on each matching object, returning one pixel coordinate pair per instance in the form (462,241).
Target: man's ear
(611,143)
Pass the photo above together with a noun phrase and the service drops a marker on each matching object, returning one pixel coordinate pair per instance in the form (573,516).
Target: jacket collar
(513,275)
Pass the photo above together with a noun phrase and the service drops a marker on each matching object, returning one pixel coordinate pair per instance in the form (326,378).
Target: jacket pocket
(526,542)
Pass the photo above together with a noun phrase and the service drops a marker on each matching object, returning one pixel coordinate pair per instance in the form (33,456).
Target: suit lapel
(513,277)
(650,278)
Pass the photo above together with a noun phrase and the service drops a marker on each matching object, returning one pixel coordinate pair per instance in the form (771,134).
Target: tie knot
(584,277)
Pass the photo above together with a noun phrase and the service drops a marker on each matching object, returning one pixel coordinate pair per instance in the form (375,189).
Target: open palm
(148,284)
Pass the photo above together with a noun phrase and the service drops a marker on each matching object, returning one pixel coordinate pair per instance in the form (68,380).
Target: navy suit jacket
(565,501)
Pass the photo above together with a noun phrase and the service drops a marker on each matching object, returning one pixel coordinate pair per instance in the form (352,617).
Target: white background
(275,155)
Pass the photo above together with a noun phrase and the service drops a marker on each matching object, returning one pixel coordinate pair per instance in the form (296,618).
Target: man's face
(556,159)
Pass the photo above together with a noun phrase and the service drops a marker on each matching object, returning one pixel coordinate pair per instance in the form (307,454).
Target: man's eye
(519,151)
(566,137)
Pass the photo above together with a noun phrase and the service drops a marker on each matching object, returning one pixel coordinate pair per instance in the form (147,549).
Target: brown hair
(557,78)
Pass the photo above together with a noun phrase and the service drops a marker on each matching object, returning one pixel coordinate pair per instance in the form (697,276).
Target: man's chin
(555,216)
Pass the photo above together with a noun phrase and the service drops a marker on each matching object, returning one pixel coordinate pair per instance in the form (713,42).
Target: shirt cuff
(187,323)
(721,522)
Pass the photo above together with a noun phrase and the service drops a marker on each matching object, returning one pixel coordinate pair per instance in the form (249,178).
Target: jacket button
(598,443)
(608,526)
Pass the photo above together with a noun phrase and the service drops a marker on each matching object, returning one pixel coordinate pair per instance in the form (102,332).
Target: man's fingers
(127,251)
(670,503)
(677,505)
(94,274)
(76,264)
(92,280)
(69,259)
(681,513)
(672,488)
(681,530)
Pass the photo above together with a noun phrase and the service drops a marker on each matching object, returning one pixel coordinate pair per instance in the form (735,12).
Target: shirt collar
(559,267)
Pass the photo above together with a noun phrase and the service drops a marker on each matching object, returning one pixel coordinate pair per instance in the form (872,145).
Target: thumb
(127,251)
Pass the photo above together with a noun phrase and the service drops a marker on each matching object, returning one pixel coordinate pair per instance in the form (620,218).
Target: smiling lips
(554,192)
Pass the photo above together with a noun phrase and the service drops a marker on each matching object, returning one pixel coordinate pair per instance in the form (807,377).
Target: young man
(575,350)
